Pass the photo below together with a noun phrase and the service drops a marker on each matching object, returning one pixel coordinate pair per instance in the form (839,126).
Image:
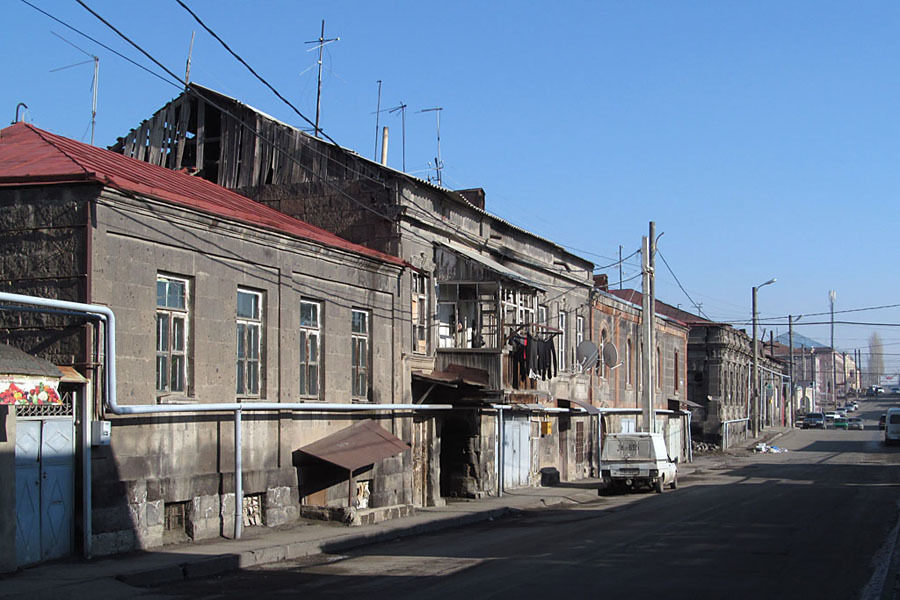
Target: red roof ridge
(24,162)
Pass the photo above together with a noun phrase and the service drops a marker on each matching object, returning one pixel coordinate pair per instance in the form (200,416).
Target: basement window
(174,522)
(252,510)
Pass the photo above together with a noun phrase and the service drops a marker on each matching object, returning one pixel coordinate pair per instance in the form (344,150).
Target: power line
(665,262)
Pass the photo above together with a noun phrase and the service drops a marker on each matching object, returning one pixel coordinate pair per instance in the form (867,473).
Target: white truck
(632,460)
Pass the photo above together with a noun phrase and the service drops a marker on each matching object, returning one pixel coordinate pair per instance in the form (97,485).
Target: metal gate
(45,464)
(516,450)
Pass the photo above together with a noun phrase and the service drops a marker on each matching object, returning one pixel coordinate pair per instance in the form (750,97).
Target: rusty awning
(588,407)
(357,446)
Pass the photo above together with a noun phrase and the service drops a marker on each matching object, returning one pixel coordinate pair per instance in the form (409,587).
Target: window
(579,337)
(542,315)
(629,362)
(659,369)
(467,315)
(518,306)
(310,334)
(677,371)
(171,334)
(603,371)
(359,351)
(419,313)
(249,340)
(563,342)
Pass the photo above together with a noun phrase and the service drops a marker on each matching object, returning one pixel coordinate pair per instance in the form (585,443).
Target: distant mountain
(800,340)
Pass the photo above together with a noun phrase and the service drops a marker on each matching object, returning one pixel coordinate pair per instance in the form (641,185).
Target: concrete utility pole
(755,424)
(651,348)
(831,296)
(646,335)
(790,418)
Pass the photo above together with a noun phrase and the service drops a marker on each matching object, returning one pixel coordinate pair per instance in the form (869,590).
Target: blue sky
(762,138)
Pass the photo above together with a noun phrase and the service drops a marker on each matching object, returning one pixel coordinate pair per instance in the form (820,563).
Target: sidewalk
(111,577)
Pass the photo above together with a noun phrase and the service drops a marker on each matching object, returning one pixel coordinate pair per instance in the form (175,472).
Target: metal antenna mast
(94,84)
(320,44)
(402,109)
(377,114)
(438,164)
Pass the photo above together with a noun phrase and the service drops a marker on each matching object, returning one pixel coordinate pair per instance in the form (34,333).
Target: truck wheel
(674,484)
(659,486)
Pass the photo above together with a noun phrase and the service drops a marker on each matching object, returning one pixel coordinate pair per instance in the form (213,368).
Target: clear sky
(761,137)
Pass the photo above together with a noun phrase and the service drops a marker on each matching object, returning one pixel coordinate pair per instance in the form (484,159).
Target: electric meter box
(100,433)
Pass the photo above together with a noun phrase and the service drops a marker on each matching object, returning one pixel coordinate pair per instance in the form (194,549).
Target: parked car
(841,423)
(813,421)
(840,412)
(892,426)
(855,423)
(881,420)
(895,390)
(631,460)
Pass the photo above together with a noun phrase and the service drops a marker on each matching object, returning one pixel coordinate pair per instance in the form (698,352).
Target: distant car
(855,423)
(881,421)
(841,423)
(850,407)
(895,390)
(813,421)
(840,412)
(892,426)
(870,391)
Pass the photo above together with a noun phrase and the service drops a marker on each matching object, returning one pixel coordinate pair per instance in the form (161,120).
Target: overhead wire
(665,262)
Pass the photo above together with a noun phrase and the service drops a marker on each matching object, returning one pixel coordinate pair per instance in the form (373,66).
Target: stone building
(617,322)
(479,288)
(218,300)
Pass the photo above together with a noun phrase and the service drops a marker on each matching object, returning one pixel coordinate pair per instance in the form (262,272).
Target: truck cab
(633,460)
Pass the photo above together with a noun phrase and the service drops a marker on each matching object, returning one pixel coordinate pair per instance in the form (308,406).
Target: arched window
(659,369)
(603,366)
(629,361)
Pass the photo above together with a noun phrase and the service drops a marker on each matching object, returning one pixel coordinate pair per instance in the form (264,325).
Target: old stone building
(220,302)
(617,316)
(480,291)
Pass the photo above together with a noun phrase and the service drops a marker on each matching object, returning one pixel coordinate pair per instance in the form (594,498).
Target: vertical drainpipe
(88,401)
(238,479)
(502,457)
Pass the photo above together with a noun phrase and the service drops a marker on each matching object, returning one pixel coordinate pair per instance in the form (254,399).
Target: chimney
(384,145)
(601,281)
(474,196)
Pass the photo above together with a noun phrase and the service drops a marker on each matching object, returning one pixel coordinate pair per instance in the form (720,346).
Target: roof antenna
(321,44)
(94,84)
(438,163)
(187,68)
(402,109)
(377,114)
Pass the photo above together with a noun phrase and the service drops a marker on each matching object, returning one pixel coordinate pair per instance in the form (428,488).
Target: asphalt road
(818,521)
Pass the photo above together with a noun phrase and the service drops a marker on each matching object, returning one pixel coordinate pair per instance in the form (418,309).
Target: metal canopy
(491,264)
(357,446)
(16,362)
(588,407)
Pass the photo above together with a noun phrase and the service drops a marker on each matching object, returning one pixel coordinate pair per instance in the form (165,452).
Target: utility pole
(321,44)
(769,415)
(620,267)
(790,419)
(651,342)
(831,296)
(755,425)
(646,334)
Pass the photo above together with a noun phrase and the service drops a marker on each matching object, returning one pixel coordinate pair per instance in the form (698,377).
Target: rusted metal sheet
(359,445)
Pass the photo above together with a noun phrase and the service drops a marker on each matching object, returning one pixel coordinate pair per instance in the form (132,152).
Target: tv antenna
(377,114)
(438,164)
(401,108)
(94,83)
(320,43)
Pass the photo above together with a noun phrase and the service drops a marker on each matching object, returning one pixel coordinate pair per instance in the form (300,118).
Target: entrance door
(516,450)
(45,479)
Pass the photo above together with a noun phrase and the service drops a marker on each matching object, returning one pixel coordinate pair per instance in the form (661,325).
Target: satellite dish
(587,354)
(610,355)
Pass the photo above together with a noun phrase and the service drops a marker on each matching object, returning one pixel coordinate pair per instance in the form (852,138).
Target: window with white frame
(542,315)
(172,327)
(310,339)
(563,341)
(419,313)
(579,337)
(519,306)
(359,354)
(249,341)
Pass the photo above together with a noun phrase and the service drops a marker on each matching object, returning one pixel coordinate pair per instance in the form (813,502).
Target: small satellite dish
(587,355)
(610,355)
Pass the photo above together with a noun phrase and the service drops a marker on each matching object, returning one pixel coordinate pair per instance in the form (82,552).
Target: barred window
(172,321)
(359,350)
(249,339)
(310,335)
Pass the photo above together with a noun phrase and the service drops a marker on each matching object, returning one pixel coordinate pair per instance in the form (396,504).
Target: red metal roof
(356,446)
(667,310)
(32,156)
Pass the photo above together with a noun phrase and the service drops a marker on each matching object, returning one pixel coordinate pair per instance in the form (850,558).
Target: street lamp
(755,417)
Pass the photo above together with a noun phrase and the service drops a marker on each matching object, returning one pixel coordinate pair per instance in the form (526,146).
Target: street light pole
(755,416)
(831,296)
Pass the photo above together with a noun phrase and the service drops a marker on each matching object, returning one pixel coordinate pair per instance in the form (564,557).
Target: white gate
(516,450)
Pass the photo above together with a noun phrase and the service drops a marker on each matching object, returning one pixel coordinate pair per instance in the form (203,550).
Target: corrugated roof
(29,155)
(356,446)
(423,182)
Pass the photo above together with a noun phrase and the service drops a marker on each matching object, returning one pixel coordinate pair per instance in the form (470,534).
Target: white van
(631,460)
(892,426)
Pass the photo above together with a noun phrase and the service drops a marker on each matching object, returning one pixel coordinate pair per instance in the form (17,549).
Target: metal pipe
(238,478)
